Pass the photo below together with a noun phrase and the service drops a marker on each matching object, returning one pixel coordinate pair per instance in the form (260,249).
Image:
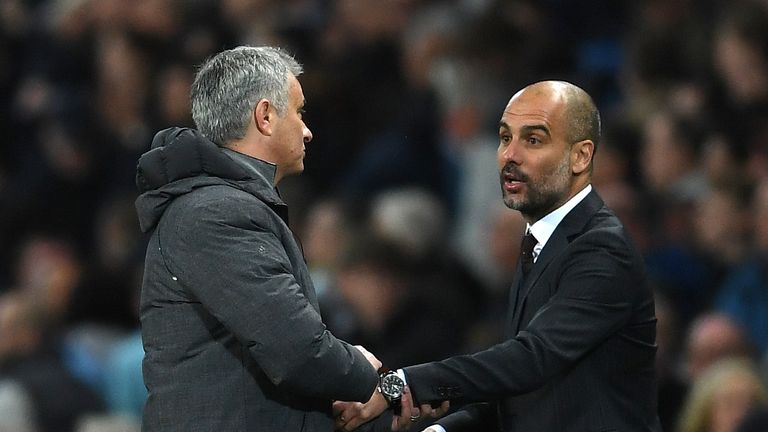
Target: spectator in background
(172,92)
(106,295)
(740,102)
(49,271)
(326,238)
(744,294)
(721,229)
(722,396)
(416,222)
(30,357)
(669,157)
(620,191)
(721,161)
(380,286)
(665,59)
(62,62)
(504,249)
(674,183)
(712,337)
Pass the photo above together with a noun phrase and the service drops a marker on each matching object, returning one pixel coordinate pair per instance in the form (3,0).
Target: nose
(307,134)
(509,153)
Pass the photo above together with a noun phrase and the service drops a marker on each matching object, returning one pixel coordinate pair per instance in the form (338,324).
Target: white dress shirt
(543,228)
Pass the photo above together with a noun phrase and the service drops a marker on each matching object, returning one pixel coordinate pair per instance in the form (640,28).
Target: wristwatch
(391,387)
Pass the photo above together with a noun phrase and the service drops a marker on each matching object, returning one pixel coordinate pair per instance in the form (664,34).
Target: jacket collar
(571,225)
(182,160)
(255,168)
(545,227)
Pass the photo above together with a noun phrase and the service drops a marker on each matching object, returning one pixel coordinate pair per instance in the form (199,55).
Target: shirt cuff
(401,374)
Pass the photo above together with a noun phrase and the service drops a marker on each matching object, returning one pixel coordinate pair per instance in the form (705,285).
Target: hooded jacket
(231,328)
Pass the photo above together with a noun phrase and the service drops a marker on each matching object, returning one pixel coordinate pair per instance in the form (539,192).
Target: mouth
(512,181)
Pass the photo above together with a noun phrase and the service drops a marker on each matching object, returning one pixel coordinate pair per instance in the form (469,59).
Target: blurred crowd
(399,208)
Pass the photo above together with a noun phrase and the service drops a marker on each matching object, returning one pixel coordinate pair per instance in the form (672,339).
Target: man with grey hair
(231,328)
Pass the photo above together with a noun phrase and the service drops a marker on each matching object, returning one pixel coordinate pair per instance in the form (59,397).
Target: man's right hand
(350,415)
(371,358)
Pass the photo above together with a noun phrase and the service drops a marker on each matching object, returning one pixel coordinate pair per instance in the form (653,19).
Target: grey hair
(228,86)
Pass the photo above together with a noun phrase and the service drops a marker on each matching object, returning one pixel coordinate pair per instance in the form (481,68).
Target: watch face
(392,386)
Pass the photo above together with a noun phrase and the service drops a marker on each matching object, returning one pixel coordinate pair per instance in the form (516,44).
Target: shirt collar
(544,227)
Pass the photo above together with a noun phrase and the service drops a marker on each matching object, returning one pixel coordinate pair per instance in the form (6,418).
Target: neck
(243,146)
(575,188)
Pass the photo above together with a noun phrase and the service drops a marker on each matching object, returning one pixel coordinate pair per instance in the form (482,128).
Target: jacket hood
(181,160)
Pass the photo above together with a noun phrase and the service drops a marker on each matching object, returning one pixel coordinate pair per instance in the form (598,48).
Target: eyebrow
(531,128)
(528,128)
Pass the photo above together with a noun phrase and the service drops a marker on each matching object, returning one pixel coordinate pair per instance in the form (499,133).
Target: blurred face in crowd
(536,160)
(290,134)
(719,222)
(665,155)
(711,338)
(741,66)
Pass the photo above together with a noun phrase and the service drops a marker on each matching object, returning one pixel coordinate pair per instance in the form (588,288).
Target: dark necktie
(526,252)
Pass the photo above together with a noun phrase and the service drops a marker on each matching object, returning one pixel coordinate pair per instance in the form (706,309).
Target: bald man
(580,339)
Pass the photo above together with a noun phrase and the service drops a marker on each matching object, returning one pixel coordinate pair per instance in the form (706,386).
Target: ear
(263,115)
(581,156)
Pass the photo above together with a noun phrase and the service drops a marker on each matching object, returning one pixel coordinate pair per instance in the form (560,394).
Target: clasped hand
(350,415)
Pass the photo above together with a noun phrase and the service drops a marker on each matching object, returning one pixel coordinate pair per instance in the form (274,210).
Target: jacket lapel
(572,224)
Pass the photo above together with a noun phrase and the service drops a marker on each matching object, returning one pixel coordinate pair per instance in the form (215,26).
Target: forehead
(534,106)
(295,92)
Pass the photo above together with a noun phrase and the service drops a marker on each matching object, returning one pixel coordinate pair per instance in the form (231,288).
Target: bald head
(580,115)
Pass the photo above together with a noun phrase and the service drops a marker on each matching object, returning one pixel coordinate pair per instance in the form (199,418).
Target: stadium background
(398,208)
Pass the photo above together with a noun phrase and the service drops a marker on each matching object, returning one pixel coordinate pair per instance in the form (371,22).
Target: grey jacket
(232,332)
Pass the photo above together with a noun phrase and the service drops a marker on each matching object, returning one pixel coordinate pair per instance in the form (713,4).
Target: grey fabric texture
(231,327)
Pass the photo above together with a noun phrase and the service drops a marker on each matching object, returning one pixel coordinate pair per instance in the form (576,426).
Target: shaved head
(548,133)
(580,113)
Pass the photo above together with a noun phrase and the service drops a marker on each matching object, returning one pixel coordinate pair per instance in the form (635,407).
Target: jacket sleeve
(228,257)
(596,291)
(478,416)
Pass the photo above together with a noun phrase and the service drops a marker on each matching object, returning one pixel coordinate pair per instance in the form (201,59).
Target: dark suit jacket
(580,347)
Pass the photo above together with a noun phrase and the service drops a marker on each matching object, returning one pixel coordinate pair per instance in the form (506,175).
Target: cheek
(500,160)
(540,168)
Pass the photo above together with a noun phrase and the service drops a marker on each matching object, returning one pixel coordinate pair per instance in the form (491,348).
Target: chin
(513,201)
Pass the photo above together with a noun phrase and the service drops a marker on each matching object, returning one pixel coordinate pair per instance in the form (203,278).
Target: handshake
(391,392)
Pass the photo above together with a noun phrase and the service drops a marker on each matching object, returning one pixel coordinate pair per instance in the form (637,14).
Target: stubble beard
(544,193)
